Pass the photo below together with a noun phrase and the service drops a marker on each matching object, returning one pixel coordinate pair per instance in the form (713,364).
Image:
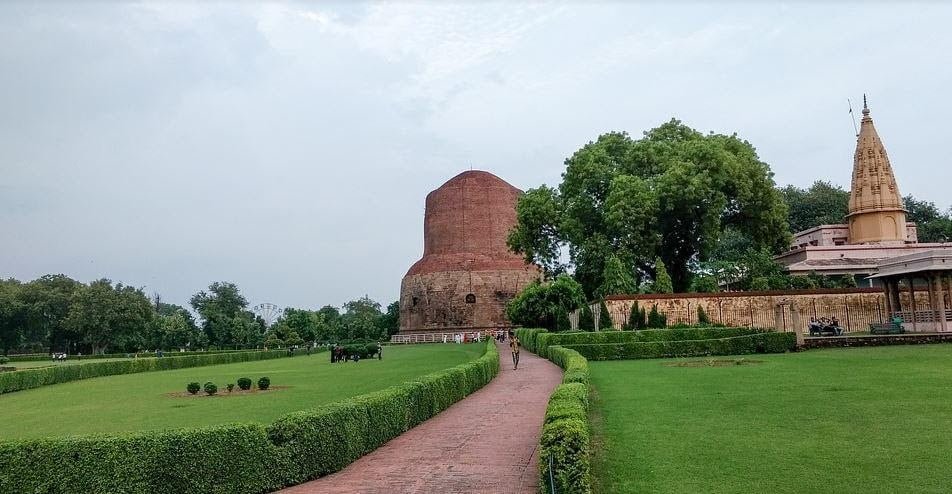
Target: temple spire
(876,213)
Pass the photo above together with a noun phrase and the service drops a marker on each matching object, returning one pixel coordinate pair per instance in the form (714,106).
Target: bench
(886,328)
(825,329)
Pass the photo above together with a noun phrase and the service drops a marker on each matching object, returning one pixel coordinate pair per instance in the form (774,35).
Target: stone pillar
(912,303)
(887,291)
(940,303)
(930,287)
(894,293)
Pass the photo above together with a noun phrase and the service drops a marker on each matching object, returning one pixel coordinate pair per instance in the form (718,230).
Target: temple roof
(874,186)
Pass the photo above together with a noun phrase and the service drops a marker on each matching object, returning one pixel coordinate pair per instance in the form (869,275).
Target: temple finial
(865,108)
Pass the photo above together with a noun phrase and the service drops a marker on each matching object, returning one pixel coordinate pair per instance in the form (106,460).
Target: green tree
(616,279)
(13,315)
(294,339)
(933,225)
(656,319)
(218,308)
(636,318)
(605,318)
(586,320)
(821,204)
(47,302)
(110,316)
(669,195)
(546,304)
(390,320)
(361,319)
(662,282)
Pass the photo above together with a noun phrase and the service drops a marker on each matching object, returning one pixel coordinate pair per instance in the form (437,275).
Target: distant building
(467,274)
(876,229)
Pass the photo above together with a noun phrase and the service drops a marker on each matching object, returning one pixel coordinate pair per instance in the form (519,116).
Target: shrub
(193,388)
(244,383)
(248,458)
(566,437)
(544,340)
(3,360)
(210,388)
(264,383)
(702,317)
(230,386)
(34,378)
(656,319)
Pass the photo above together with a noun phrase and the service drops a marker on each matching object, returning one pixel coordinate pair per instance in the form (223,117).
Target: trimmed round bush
(210,388)
(230,387)
(193,388)
(264,383)
(244,383)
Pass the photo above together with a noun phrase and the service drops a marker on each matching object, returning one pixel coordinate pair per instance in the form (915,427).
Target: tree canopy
(823,203)
(669,194)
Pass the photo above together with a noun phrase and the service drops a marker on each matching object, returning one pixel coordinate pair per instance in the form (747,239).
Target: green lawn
(140,401)
(838,420)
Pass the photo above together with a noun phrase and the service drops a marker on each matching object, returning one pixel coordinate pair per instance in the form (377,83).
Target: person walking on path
(514,346)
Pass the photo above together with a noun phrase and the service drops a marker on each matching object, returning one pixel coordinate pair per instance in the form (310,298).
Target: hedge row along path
(484,443)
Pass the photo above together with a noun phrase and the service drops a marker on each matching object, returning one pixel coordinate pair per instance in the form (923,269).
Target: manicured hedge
(34,378)
(544,340)
(241,458)
(44,356)
(528,337)
(738,345)
(566,435)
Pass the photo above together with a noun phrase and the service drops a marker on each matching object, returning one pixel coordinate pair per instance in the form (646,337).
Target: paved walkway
(458,451)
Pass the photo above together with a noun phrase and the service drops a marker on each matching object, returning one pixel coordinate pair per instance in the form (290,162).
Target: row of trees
(58,313)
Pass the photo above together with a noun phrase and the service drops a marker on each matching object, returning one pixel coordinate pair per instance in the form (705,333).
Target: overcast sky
(288,147)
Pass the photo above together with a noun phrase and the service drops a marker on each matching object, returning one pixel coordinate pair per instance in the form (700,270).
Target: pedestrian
(514,346)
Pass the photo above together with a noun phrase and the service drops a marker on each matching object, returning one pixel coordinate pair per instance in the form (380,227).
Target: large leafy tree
(669,195)
(361,319)
(110,316)
(12,315)
(47,302)
(218,308)
(933,224)
(823,203)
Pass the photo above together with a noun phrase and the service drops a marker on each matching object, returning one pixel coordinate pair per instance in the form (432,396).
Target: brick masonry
(467,273)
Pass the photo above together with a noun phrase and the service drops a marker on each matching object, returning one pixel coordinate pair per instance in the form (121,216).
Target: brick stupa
(467,274)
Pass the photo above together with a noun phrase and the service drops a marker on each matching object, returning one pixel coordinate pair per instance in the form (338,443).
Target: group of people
(821,325)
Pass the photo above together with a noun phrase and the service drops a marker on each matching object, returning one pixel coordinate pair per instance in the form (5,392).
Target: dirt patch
(223,393)
(711,362)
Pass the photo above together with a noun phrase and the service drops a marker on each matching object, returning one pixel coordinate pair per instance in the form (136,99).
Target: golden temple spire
(876,213)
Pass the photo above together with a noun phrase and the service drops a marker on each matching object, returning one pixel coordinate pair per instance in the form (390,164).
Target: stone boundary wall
(786,310)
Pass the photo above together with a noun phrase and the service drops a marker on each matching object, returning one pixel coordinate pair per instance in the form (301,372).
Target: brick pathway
(458,451)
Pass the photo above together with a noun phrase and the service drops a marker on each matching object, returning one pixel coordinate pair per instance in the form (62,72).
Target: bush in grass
(297,447)
(230,386)
(656,319)
(3,360)
(210,388)
(244,383)
(193,388)
(264,383)
(33,378)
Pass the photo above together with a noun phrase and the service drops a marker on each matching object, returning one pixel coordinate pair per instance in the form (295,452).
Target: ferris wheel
(268,312)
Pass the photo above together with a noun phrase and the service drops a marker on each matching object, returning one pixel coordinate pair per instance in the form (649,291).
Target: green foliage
(193,387)
(669,195)
(271,340)
(210,388)
(244,383)
(737,345)
(822,204)
(4,360)
(546,305)
(605,319)
(636,318)
(662,281)
(586,320)
(225,319)
(704,284)
(702,317)
(566,436)
(294,339)
(230,387)
(656,319)
(248,458)
(109,315)
(616,279)
(34,378)
(529,338)
(542,341)
(264,383)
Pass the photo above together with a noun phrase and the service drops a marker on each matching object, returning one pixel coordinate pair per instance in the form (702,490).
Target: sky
(288,147)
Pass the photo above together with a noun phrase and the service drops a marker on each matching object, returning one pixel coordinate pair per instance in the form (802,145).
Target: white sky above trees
(288,147)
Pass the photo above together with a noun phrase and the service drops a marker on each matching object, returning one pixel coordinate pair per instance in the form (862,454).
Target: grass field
(141,402)
(838,420)
(32,364)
